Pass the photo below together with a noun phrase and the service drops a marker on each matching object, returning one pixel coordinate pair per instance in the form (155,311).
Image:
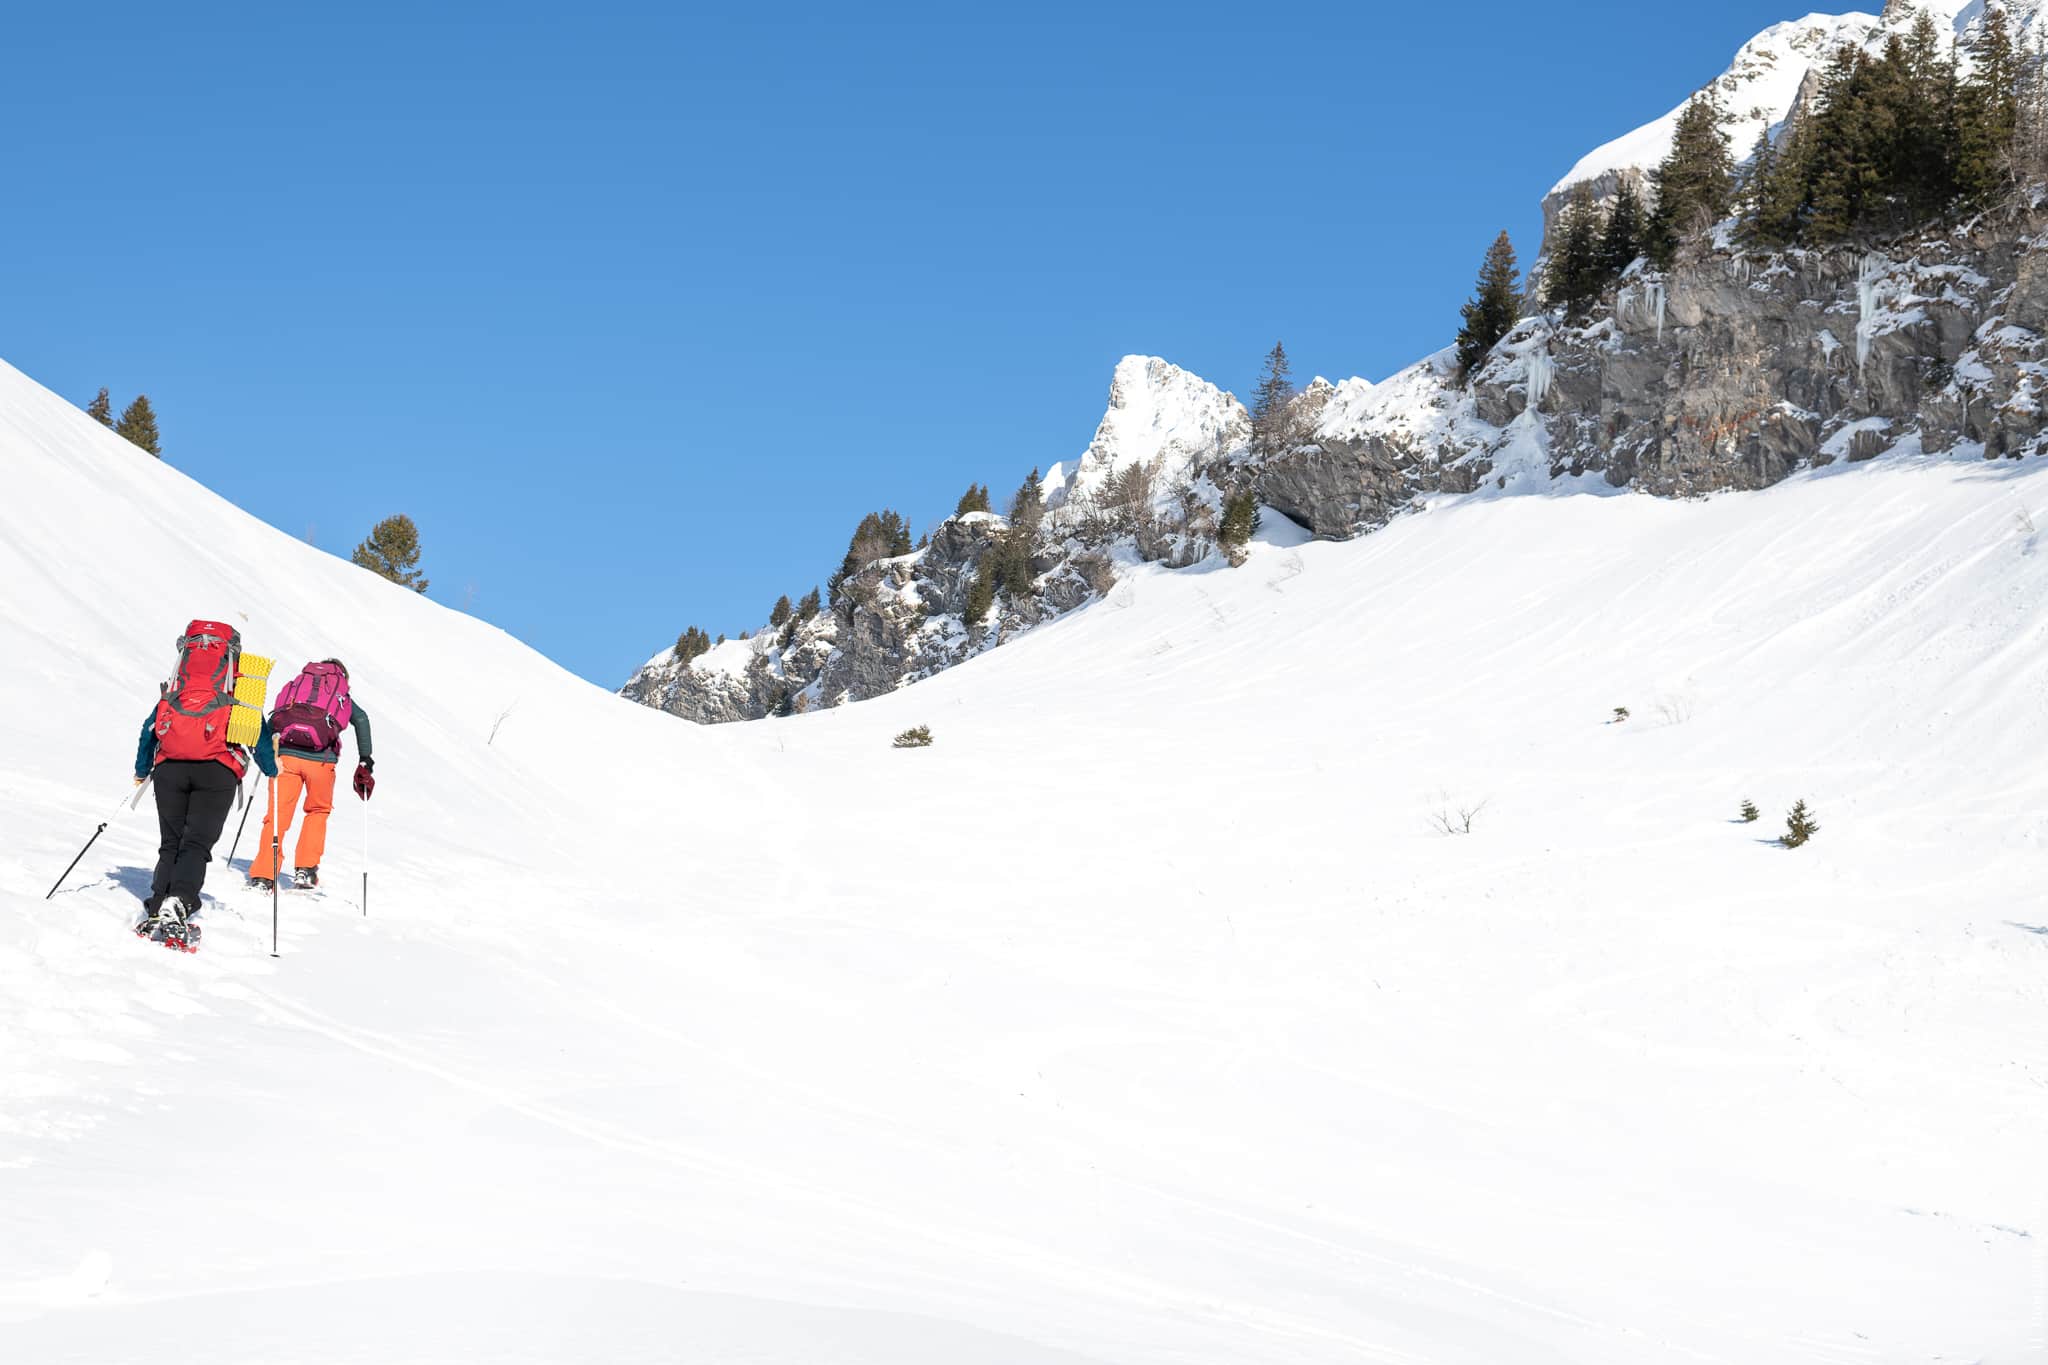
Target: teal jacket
(265,752)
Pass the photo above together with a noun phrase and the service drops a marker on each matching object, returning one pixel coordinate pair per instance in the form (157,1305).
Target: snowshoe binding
(177,926)
(261,884)
(305,878)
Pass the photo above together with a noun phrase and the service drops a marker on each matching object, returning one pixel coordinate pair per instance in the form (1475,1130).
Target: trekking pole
(366,860)
(238,832)
(275,866)
(82,852)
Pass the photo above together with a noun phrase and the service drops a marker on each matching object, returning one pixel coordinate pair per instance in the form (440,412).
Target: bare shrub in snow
(1291,567)
(1620,715)
(1674,710)
(1455,817)
(916,737)
(1096,570)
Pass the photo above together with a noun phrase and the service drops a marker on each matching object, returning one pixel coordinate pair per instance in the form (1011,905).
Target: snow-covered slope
(1142,1018)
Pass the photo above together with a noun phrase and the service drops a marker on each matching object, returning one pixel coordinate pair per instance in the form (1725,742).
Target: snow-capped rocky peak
(1764,82)
(1157,411)
(1755,92)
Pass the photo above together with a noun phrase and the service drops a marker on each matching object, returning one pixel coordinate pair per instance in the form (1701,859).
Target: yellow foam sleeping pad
(245,726)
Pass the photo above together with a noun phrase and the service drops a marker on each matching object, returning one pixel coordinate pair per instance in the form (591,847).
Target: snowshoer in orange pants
(313,711)
(314,780)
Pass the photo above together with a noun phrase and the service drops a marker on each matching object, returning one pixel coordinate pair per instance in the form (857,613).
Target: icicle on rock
(1868,277)
(1541,371)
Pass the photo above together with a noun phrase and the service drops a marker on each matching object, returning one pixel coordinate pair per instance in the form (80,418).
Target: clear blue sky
(637,309)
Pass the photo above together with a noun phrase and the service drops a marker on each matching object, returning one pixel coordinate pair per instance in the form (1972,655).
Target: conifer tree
(392,551)
(101,409)
(1621,241)
(1240,519)
(2030,140)
(981,593)
(1027,507)
(1988,111)
(1695,181)
(1799,825)
(1748,812)
(1778,200)
(807,606)
(692,643)
(1751,179)
(880,535)
(138,424)
(780,614)
(1924,153)
(975,499)
(1839,165)
(1272,405)
(1493,309)
(1574,277)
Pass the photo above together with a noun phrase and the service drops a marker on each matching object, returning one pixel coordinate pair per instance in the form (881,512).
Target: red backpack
(313,709)
(192,718)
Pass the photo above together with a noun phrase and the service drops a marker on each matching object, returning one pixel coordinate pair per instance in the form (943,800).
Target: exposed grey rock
(1730,371)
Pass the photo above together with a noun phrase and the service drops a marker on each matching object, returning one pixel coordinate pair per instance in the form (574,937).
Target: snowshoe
(261,884)
(149,925)
(305,878)
(178,928)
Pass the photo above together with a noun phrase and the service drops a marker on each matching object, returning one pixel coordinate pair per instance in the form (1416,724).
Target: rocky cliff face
(1730,371)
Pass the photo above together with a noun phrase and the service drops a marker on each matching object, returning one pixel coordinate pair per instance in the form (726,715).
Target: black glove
(365,784)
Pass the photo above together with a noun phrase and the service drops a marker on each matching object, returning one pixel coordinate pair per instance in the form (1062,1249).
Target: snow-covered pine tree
(1493,308)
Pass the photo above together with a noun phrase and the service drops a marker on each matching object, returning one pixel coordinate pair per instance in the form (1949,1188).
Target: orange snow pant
(294,776)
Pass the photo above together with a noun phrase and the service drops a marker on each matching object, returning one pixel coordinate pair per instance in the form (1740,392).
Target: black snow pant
(193,798)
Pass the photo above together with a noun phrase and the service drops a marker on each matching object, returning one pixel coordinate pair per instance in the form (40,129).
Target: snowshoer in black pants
(193,800)
(184,746)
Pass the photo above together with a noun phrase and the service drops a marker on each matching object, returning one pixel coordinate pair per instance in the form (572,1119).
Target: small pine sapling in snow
(1799,825)
(1620,714)
(1749,812)
(916,737)
(1240,520)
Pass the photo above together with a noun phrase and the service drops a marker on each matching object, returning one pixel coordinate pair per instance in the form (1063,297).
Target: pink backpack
(313,709)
